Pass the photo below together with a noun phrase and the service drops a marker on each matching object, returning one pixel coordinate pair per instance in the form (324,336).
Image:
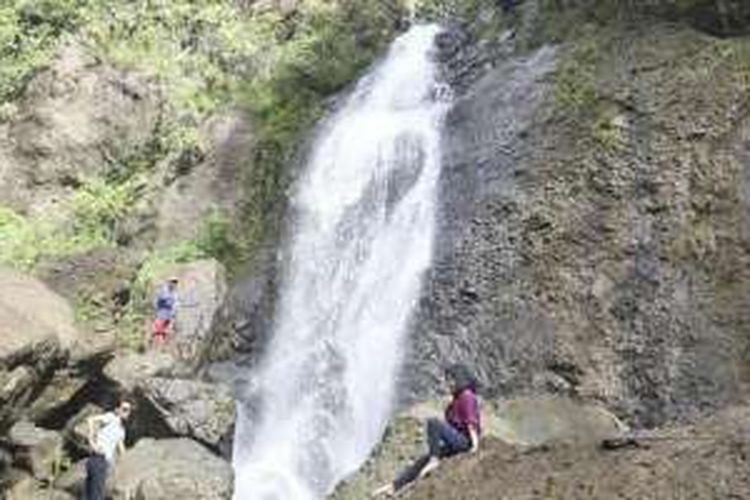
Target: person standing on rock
(458,433)
(106,435)
(165,305)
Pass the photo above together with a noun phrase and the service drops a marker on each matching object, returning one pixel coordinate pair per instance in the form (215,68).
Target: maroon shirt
(464,412)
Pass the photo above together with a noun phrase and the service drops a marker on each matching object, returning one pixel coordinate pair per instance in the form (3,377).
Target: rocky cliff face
(595,219)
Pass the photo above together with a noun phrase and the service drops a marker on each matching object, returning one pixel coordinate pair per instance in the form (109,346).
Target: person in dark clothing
(106,435)
(458,433)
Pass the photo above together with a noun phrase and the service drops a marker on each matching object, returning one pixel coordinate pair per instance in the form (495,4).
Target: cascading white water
(361,240)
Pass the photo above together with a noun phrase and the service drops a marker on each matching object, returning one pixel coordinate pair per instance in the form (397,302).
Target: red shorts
(160,328)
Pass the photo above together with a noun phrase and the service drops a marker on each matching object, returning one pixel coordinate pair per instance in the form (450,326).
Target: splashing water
(361,239)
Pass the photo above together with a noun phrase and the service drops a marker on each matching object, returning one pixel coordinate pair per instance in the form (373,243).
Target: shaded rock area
(244,322)
(594,222)
(72,479)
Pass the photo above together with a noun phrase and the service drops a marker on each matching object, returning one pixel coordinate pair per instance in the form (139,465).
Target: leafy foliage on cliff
(277,62)
(207,56)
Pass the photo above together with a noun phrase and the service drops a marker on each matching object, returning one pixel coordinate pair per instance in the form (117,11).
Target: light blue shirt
(111,434)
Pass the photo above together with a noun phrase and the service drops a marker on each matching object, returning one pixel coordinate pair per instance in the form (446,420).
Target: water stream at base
(361,239)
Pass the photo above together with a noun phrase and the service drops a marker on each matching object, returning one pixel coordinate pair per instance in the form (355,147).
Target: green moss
(24,242)
(575,79)
(99,205)
(207,56)
(20,241)
(607,132)
(94,212)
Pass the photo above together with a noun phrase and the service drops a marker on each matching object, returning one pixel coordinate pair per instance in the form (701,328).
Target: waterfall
(361,238)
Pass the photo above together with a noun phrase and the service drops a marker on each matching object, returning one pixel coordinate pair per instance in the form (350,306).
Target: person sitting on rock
(106,435)
(165,305)
(459,433)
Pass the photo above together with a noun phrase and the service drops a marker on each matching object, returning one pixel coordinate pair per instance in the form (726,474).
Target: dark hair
(462,376)
(121,400)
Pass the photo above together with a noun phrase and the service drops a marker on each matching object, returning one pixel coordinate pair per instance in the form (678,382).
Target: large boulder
(16,390)
(36,450)
(202,411)
(72,480)
(201,292)
(73,120)
(28,488)
(43,356)
(171,468)
(701,461)
(35,323)
(544,420)
(207,182)
(128,370)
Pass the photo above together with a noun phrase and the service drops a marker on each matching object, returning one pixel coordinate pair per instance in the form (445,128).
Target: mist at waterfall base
(360,240)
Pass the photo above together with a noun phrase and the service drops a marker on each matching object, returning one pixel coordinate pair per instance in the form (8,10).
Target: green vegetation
(21,241)
(575,79)
(24,242)
(99,205)
(29,31)
(331,43)
(607,133)
(94,212)
(206,56)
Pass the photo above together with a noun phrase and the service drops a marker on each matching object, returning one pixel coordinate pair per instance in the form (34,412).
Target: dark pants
(443,441)
(96,477)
